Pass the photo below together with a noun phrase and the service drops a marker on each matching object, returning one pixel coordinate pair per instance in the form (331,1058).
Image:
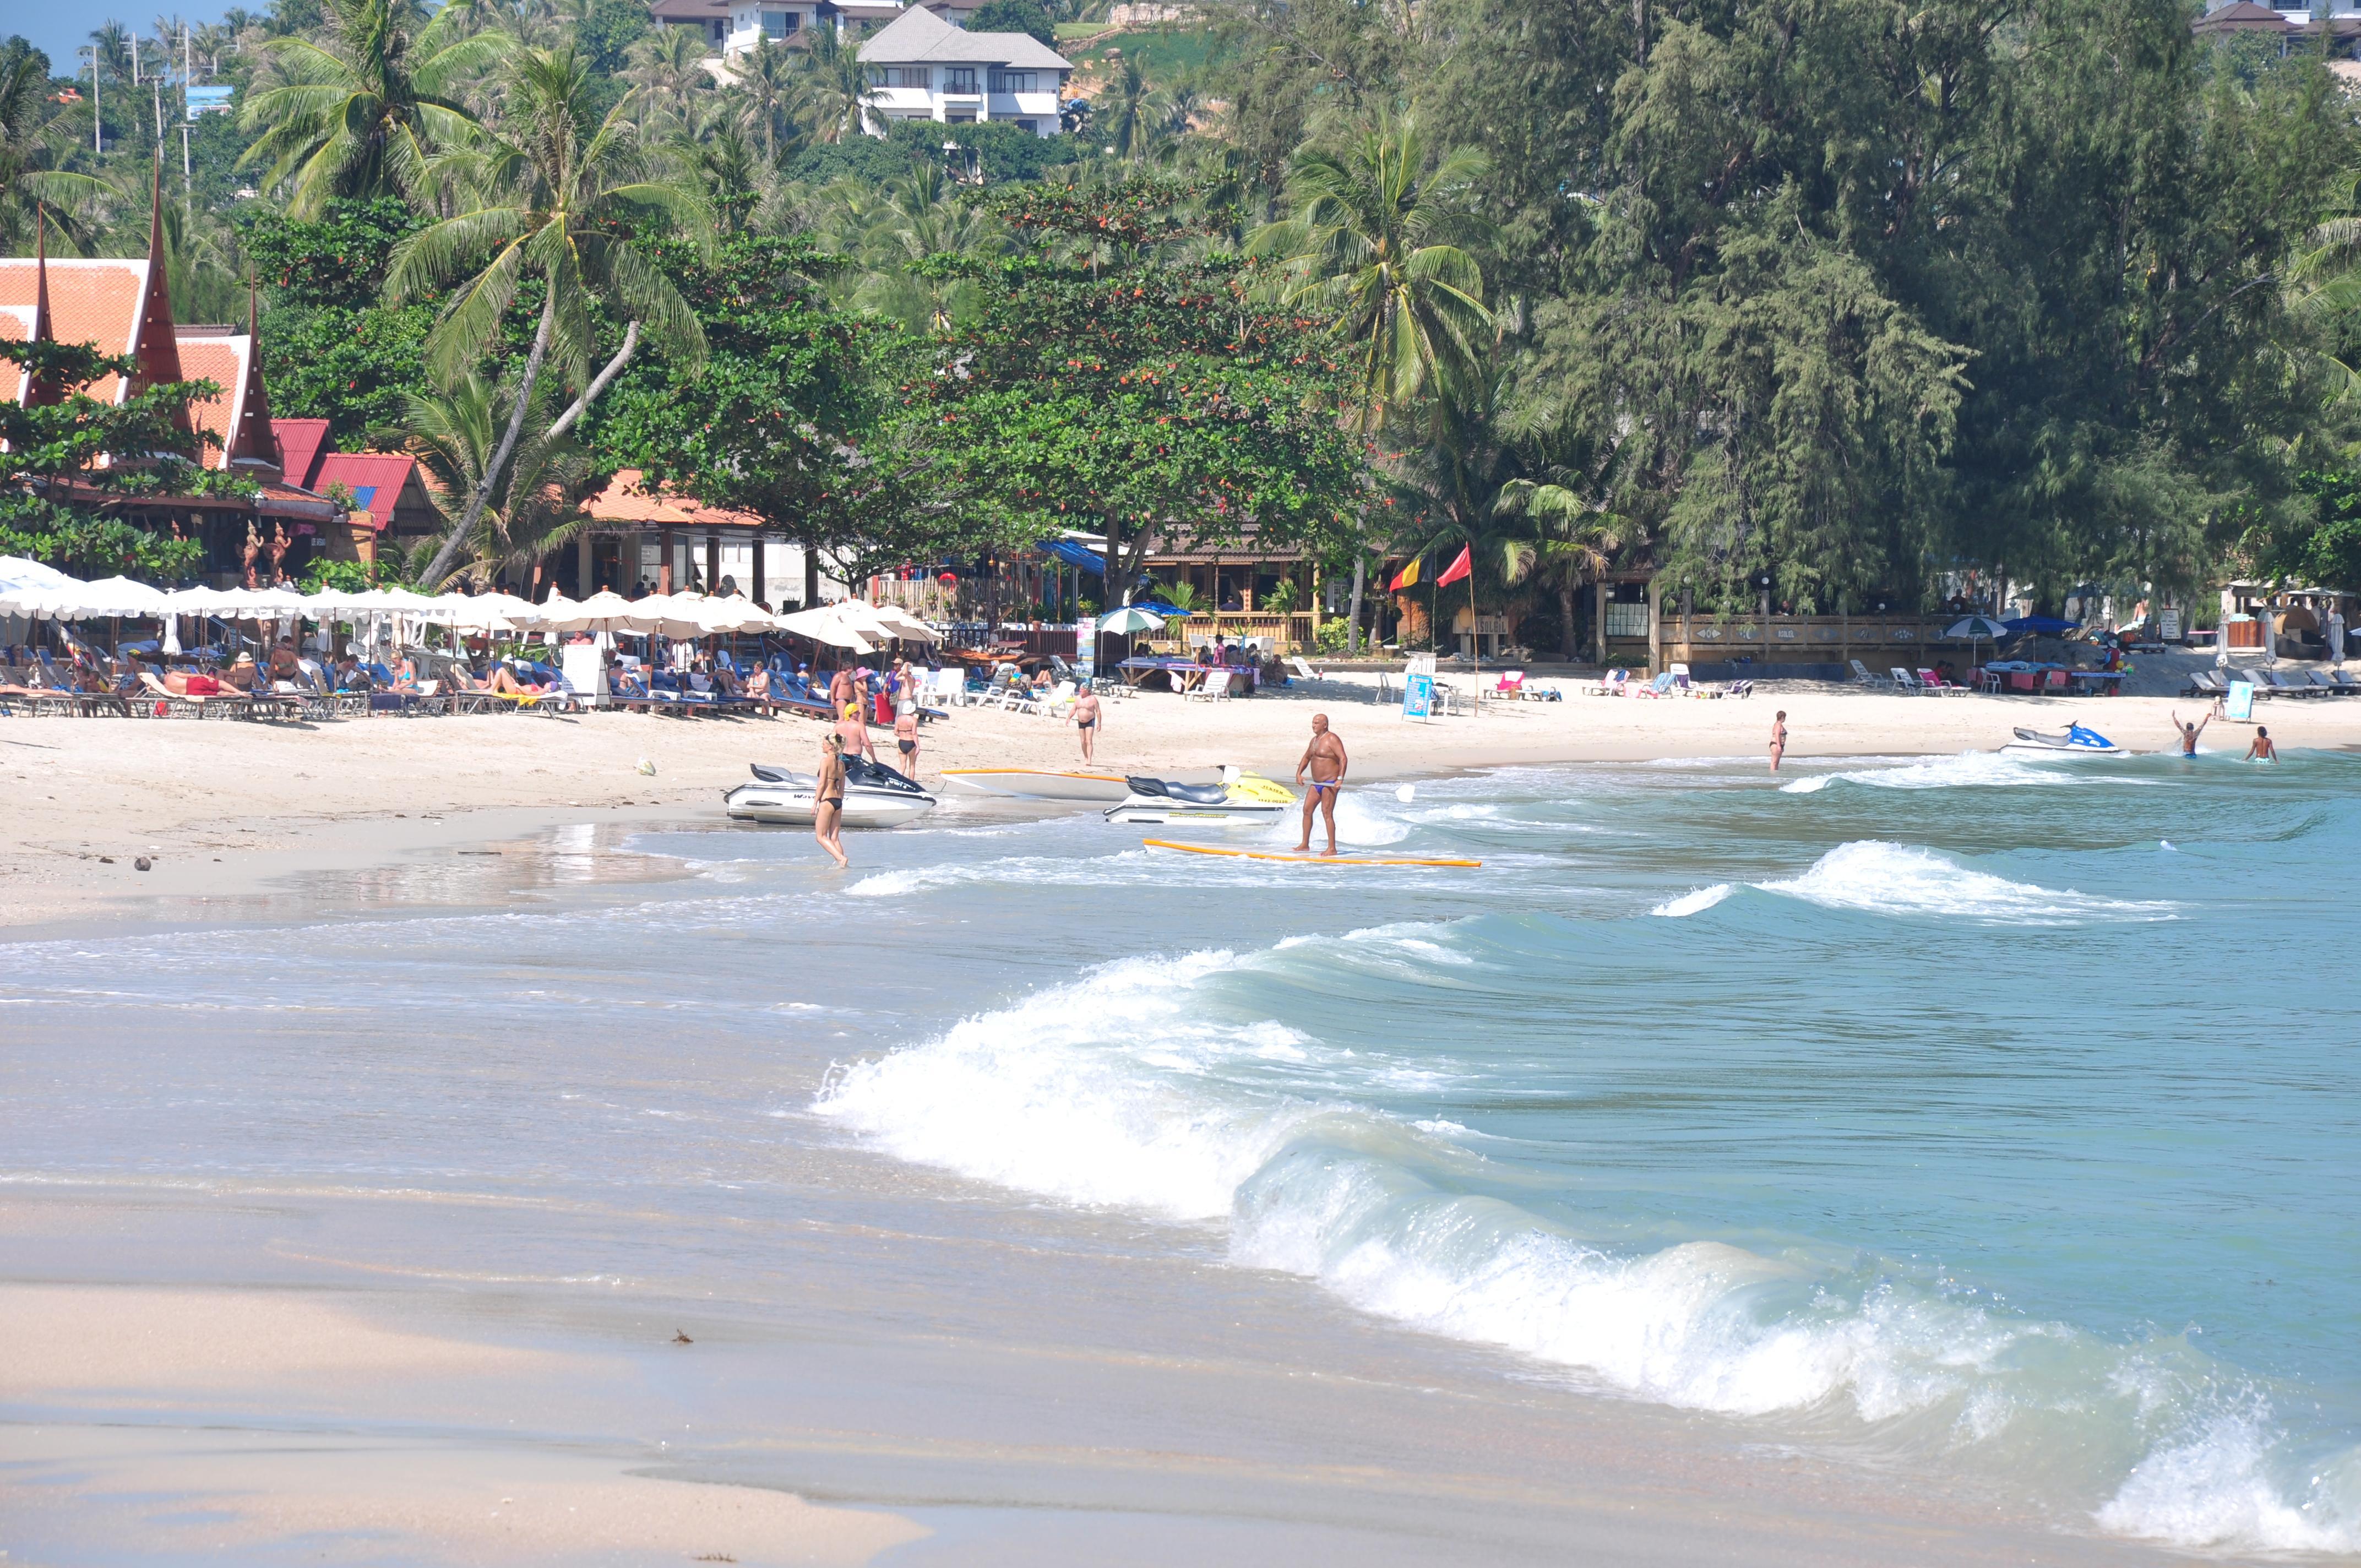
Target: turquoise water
(1987,1117)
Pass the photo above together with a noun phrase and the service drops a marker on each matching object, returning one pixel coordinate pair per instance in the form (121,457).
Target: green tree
(363,111)
(56,484)
(1013,17)
(559,197)
(1114,382)
(783,420)
(840,87)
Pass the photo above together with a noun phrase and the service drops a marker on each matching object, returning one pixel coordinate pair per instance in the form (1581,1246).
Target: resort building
(734,26)
(925,68)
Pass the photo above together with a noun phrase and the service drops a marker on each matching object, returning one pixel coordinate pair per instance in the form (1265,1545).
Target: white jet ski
(1039,783)
(1241,797)
(874,796)
(2076,741)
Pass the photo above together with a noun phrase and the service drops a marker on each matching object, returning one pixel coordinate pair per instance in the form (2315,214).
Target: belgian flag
(1409,577)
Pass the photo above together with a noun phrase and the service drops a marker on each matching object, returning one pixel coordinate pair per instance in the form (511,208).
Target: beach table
(1141,667)
(2097,682)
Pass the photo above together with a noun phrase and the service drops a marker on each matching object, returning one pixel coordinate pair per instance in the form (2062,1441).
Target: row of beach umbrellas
(43,594)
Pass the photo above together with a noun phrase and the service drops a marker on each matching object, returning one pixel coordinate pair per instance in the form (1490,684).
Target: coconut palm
(1575,542)
(364,111)
(668,67)
(452,434)
(558,196)
(919,219)
(769,95)
(1370,242)
(840,90)
(28,147)
(726,164)
(1125,115)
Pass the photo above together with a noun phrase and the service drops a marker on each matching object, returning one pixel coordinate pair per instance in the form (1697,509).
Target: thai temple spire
(38,390)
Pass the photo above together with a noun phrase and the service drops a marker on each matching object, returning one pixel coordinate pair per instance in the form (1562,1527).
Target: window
(919,76)
(1626,619)
(959,116)
(779,23)
(959,78)
(1012,82)
(1031,127)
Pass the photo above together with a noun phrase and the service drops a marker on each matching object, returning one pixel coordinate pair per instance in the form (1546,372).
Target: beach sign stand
(2238,706)
(1418,687)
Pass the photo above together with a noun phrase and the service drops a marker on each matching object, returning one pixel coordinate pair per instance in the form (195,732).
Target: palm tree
(920,219)
(1576,541)
(1125,113)
(768,94)
(727,166)
(27,147)
(668,66)
(1370,242)
(841,92)
(451,434)
(560,197)
(364,112)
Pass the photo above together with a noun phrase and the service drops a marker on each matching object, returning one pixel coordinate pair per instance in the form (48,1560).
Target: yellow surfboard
(1290,855)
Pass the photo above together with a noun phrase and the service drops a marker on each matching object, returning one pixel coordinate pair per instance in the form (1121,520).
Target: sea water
(1993,1117)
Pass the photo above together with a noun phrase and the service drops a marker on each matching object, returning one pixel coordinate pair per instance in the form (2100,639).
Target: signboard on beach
(1418,696)
(2240,704)
(2167,624)
(1086,647)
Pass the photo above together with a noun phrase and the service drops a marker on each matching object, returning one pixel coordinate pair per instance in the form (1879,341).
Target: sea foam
(1141,1086)
(1885,878)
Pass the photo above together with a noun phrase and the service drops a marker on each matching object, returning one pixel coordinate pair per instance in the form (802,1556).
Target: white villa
(925,68)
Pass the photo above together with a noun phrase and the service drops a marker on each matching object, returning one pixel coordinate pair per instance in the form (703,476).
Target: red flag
(1456,570)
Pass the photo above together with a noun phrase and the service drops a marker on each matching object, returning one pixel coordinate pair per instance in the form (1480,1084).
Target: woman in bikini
(1778,737)
(827,798)
(906,738)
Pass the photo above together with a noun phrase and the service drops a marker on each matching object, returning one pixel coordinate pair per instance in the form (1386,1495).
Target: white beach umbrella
(899,622)
(824,625)
(605,610)
(732,614)
(23,572)
(123,597)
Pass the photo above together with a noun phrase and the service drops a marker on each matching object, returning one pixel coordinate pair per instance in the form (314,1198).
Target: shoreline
(230,812)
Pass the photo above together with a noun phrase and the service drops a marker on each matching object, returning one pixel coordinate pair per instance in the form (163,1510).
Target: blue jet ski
(2076,741)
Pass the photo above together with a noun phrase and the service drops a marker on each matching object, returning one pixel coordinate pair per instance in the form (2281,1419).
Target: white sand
(222,806)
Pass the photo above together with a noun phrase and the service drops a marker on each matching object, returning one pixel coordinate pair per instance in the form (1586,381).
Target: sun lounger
(2203,684)
(1738,688)
(1302,669)
(2342,683)
(1903,681)
(1861,673)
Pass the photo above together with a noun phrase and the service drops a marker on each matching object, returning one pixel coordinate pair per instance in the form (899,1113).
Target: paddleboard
(1300,860)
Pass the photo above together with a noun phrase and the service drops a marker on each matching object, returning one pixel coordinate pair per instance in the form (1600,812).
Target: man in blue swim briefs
(1326,760)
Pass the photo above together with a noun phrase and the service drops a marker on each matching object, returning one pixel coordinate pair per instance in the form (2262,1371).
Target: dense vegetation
(1840,301)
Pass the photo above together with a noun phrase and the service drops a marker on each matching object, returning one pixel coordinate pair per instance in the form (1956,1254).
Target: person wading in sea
(1778,737)
(1326,759)
(2190,732)
(1087,716)
(2261,749)
(827,798)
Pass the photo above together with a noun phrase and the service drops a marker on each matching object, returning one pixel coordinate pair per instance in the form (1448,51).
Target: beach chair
(1512,684)
(1738,688)
(2342,684)
(1204,687)
(1861,673)
(1059,703)
(1302,668)
(2203,684)
(2285,684)
(1903,681)
(1612,683)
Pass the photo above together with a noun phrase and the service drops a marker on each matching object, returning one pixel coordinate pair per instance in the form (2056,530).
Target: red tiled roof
(240,418)
(99,301)
(375,479)
(300,443)
(621,501)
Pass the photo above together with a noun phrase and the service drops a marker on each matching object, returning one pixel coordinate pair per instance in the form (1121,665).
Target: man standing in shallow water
(1326,759)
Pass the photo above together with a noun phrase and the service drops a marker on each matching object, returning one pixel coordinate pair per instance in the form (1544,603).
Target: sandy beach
(221,808)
